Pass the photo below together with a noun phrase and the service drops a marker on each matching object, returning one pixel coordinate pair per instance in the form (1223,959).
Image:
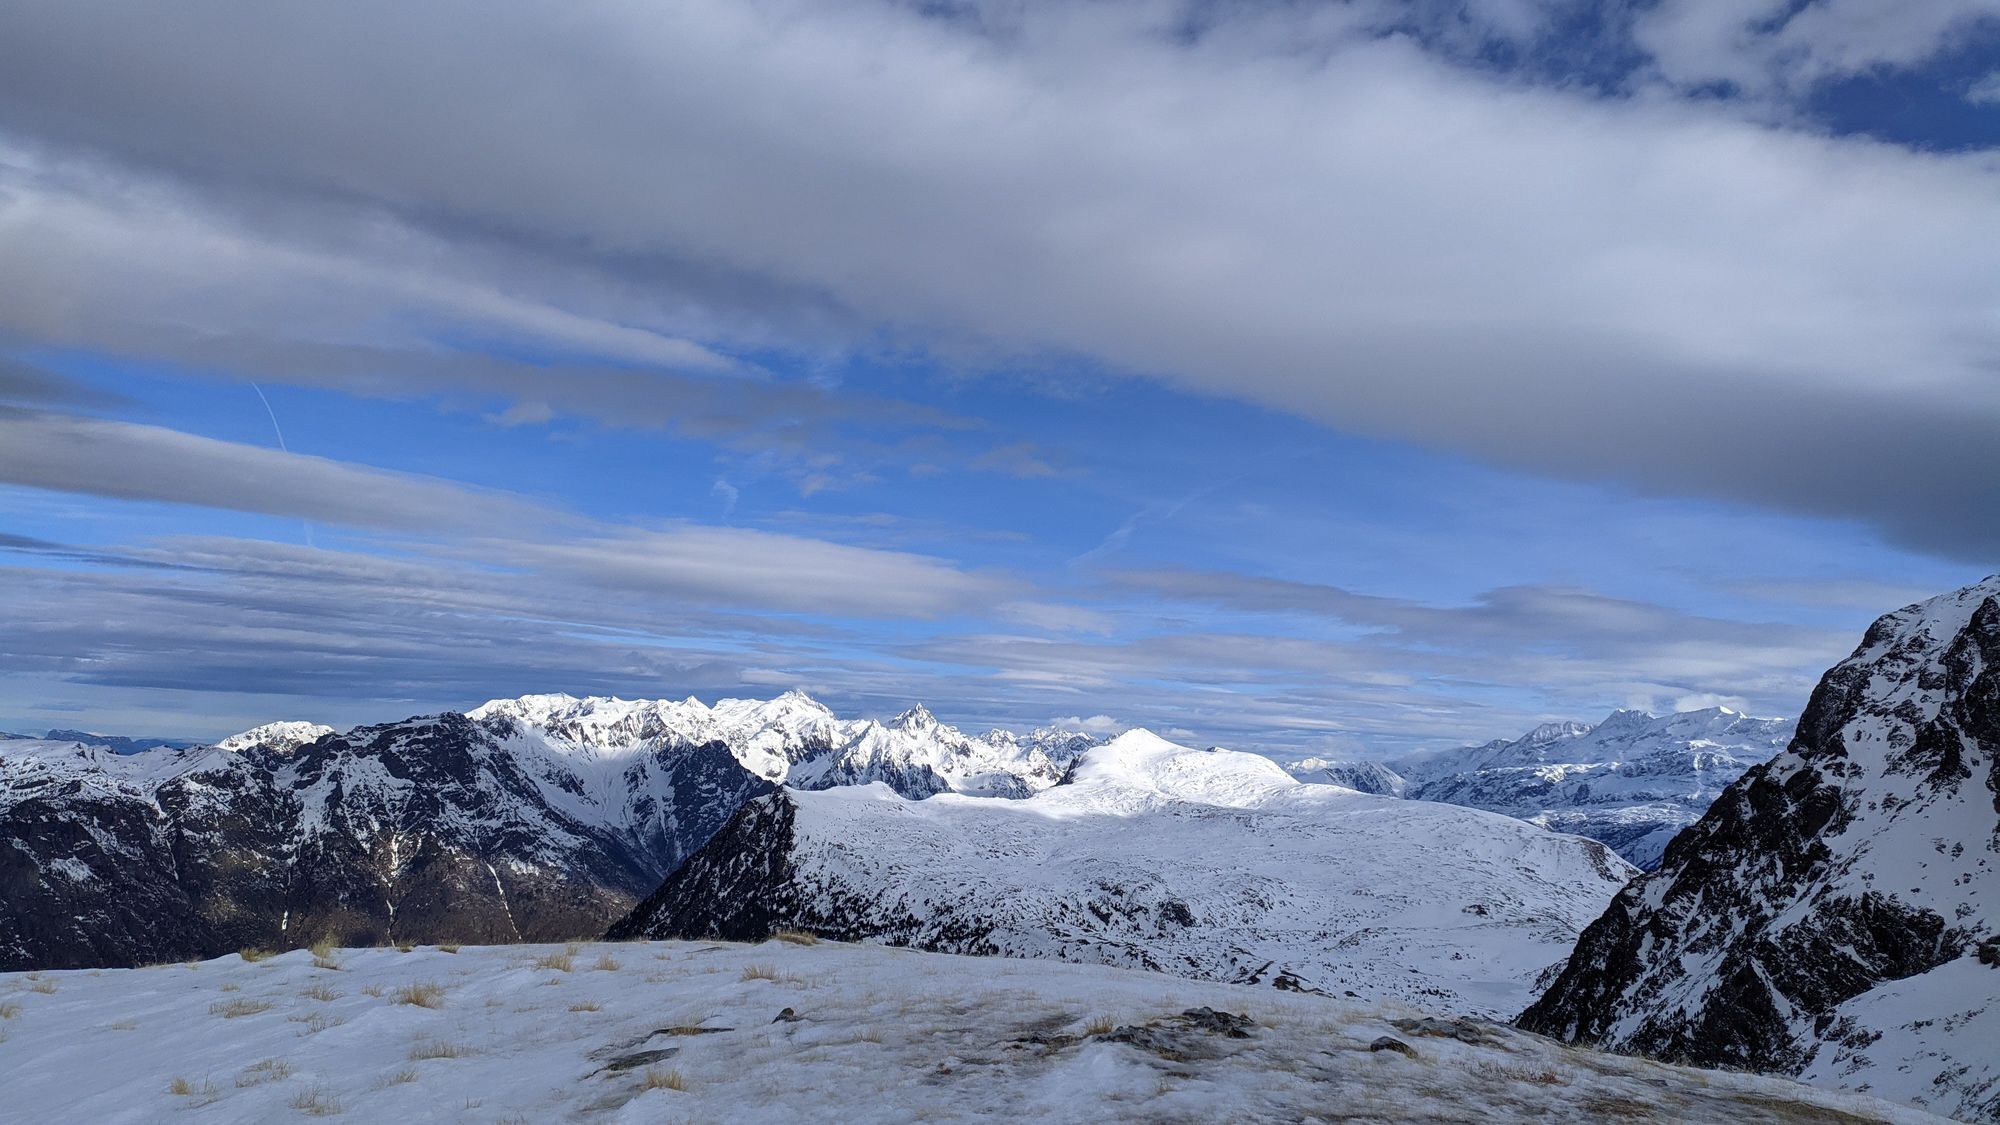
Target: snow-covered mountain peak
(1139,769)
(282,736)
(1824,915)
(1550,733)
(917,718)
(537,708)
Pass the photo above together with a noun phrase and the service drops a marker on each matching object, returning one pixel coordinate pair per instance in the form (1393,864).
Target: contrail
(280,431)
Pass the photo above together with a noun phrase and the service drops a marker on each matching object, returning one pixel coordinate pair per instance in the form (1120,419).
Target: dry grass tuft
(270,1070)
(759,972)
(402,1077)
(238,1008)
(231,986)
(422,995)
(437,1049)
(372,990)
(405,946)
(322,951)
(182,1088)
(254,955)
(607,963)
(319,992)
(796,937)
(657,1079)
(1102,1025)
(9,1010)
(44,986)
(573,948)
(560,962)
(1616,1107)
(584,1006)
(448,947)
(316,1022)
(316,1101)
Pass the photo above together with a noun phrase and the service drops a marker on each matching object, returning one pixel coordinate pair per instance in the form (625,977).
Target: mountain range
(1833,914)
(545,816)
(1632,781)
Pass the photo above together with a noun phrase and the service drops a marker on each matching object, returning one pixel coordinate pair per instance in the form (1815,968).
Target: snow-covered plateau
(1210,864)
(782,1032)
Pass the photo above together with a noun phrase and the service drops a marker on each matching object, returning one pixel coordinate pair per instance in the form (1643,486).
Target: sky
(1346,378)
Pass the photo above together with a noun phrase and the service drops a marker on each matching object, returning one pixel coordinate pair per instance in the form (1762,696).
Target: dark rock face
(742,886)
(1867,853)
(427,830)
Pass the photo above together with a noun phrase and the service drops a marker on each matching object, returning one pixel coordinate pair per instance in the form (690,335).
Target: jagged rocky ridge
(536,818)
(1632,781)
(1825,917)
(1208,864)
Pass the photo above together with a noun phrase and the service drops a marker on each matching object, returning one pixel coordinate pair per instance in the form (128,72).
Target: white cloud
(1773,47)
(129,461)
(1284,209)
(1103,726)
(744,568)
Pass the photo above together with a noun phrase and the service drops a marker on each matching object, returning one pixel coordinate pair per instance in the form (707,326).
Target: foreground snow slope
(876,1034)
(1205,863)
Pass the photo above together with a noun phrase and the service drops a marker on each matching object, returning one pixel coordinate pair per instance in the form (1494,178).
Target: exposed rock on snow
(1209,864)
(536,817)
(429,829)
(1823,917)
(880,1035)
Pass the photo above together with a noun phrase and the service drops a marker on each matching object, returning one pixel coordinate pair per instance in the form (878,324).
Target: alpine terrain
(1210,864)
(541,817)
(1632,781)
(1836,914)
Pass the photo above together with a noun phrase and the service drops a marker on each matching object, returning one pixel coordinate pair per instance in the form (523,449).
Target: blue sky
(1350,379)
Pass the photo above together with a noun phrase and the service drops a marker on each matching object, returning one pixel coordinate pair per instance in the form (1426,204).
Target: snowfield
(1208,864)
(698,1031)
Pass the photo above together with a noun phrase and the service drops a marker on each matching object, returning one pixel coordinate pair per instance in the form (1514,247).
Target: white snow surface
(282,735)
(1908,1040)
(1219,865)
(880,1035)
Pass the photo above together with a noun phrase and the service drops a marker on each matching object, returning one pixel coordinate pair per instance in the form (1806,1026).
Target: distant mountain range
(1632,781)
(117,744)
